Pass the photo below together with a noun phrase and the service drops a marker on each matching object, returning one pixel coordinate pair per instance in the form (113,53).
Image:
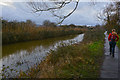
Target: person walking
(113,38)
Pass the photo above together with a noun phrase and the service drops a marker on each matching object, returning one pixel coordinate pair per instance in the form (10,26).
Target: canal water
(22,56)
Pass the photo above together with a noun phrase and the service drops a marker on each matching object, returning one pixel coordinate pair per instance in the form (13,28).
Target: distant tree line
(47,23)
(11,25)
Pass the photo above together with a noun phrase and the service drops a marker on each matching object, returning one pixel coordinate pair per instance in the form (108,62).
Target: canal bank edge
(93,46)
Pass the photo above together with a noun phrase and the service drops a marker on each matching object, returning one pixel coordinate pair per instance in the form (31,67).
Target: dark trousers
(112,46)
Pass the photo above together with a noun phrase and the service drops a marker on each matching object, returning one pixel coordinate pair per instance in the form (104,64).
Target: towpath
(111,66)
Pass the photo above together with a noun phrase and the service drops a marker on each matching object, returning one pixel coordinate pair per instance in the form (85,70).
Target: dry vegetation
(13,32)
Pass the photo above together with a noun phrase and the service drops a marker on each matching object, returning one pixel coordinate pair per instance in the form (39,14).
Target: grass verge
(118,43)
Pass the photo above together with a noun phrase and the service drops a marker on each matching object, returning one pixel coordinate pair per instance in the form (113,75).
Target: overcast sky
(86,13)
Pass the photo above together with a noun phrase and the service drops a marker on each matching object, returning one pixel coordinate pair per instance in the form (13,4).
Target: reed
(20,34)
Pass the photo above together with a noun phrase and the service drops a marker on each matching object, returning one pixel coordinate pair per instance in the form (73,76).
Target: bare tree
(47,23)
(105,14)
(52,6)
(109,15)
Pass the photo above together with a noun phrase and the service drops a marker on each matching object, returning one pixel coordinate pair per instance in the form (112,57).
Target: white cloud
(85,14)
(9,4)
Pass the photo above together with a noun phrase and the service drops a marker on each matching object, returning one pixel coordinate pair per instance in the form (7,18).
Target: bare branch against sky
(52,7)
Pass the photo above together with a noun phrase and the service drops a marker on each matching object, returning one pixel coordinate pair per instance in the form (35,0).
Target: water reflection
(22,56)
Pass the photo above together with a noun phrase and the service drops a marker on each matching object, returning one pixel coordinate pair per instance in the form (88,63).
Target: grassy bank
(20,34)
(80,60)
(118,43)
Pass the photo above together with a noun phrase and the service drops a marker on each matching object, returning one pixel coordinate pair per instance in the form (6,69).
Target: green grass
(118,43)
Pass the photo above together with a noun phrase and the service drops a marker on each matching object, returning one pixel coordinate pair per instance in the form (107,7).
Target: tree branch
(69,13)
(37,7)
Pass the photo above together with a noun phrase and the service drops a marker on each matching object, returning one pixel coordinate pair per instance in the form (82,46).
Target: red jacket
(116,37)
